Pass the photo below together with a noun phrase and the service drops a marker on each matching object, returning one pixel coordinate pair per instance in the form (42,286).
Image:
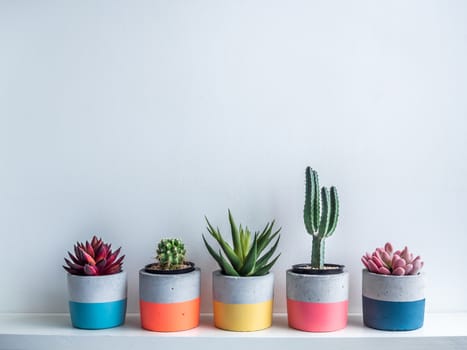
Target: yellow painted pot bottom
(243,317)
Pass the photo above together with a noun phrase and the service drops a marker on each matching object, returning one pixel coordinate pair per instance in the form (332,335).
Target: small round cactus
(386,261)
(171,253)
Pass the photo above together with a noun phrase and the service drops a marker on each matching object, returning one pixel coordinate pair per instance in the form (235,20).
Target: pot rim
(367,272)
(219,273)
(296,268)
(96,277)
(189,269)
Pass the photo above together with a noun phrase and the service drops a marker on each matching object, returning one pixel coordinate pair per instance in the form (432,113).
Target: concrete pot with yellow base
(242,304)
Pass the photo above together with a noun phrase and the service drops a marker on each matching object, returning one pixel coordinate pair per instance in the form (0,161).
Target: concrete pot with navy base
(318,301)
(169,301)
(393,303)
(97,302)
(242,304)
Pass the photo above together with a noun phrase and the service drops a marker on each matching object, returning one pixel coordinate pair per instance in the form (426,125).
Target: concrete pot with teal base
(97,302)
(393,303)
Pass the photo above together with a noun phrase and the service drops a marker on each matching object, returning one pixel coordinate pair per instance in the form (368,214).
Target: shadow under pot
(242,304)
(97,302)
(393,303)
(317,300)
(169,300)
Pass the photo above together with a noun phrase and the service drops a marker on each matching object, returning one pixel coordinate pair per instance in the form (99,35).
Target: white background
(134,119)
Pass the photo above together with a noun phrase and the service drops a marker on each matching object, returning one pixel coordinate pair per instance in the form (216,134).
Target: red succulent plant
(94,259)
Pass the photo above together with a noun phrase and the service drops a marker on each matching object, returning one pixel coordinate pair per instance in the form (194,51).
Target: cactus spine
(320,214)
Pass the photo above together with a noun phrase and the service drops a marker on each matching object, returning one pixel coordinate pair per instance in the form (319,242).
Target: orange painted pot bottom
(171,317)
(317,317)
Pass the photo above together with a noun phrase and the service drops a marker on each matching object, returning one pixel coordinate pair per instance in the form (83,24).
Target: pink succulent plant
(386,261)
(94,259)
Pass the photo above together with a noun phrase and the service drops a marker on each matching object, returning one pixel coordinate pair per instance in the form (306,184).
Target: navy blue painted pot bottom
(393,316)
(97,315)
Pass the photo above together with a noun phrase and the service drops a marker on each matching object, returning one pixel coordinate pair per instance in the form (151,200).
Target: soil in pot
(156,268)
(307,269)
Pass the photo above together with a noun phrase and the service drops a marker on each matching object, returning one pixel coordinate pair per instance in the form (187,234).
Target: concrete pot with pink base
(317,303)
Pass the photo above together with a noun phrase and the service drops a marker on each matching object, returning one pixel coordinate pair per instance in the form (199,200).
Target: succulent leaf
(90,270)
(265,269)
(365,262)
(378,262)
(250,260)
(389,262)
(372,266)
(246,258)
(383,270)
(388,248)
(87,257)
(235,235)
(73,258)
(265,258)
(245,237)
(93,258)
(417,265)
(228,251)
(112,256)
(398,271)
(101,252)
(223,264)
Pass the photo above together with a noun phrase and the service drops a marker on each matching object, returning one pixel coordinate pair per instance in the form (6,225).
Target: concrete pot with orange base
(169,302)
(242,304)
(317,302)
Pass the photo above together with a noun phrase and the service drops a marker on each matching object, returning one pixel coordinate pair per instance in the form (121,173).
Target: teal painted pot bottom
(393,316)
(97,315)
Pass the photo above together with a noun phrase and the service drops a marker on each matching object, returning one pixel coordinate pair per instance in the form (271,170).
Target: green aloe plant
(246,257)
(320,215)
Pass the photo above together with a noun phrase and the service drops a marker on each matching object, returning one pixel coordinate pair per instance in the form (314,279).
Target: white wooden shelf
(53,331)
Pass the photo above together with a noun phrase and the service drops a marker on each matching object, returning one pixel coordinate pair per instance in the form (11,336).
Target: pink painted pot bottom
(317,317)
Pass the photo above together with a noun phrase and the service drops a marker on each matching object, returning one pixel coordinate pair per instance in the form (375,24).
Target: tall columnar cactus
(171,253)
(321,213)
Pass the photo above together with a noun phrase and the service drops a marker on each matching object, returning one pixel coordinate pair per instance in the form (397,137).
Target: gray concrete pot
(242,303)
(169,302)
(97,302)
(393,303)
(317,303)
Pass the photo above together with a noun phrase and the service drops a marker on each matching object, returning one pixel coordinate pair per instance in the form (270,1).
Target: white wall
(134,119)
